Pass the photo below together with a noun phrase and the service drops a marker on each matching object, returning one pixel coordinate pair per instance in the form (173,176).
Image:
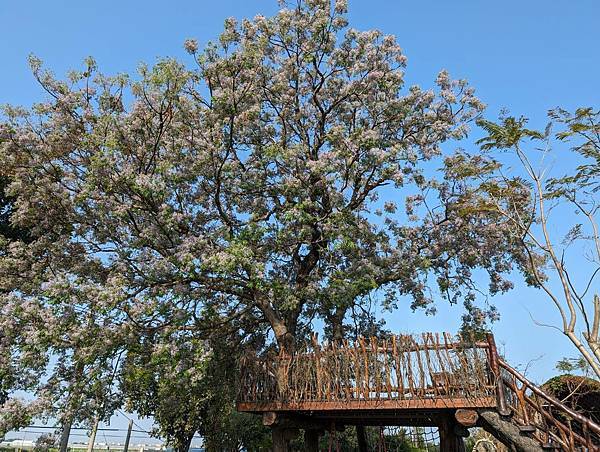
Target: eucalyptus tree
(261,183)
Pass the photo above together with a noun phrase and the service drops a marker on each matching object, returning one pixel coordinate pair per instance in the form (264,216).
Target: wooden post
(281,438)
(128,437)
(450,441)
(495,367)
(361,438)
(280,442)
(311,440)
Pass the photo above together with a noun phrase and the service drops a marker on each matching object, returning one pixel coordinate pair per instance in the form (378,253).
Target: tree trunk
(506,432)
(336,322)
(92,439)
(450,441)
(64,436)
(361,438)
(286,344)
(183,442)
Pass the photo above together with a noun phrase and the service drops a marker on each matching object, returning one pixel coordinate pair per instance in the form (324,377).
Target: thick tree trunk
(286,344)
(183,442)
(361,438)
(450,441)
(506,432)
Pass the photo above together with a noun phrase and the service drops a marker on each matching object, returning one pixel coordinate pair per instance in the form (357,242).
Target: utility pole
(126,447)
(92,440)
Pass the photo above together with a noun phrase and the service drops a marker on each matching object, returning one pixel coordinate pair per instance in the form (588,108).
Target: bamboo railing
(426,371)
(552,423)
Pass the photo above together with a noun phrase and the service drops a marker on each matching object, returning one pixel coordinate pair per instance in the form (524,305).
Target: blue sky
(527,56)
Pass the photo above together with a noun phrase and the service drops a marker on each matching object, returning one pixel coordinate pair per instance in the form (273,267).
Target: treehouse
(428,381)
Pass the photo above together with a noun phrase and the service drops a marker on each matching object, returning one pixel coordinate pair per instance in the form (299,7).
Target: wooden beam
(466,418)
(348,405)
(291,421)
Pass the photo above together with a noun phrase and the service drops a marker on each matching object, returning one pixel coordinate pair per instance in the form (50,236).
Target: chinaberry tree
(248,185)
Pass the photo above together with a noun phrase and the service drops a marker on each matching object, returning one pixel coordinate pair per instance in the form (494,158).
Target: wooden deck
(398,373)
(427,381)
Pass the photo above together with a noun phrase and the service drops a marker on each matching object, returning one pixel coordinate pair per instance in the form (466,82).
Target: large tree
(248,185)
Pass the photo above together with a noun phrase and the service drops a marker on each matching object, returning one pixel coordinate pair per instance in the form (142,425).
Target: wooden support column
(361,438)
(495,368)
(282,437)
(280,441)
(311,440)
(451,435)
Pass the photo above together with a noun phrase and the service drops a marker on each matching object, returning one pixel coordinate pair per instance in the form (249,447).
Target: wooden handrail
(536,390)
(552,419)
(394,368)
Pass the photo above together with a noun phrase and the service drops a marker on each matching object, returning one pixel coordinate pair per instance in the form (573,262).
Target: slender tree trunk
(128,437)
(64,435)
(594,364)
(92,439)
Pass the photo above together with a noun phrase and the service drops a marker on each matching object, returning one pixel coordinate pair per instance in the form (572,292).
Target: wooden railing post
(495,368)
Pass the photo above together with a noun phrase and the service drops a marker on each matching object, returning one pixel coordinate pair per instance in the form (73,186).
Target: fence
(430,370)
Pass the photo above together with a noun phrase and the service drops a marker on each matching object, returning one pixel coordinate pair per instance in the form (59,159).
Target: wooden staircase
(538,415)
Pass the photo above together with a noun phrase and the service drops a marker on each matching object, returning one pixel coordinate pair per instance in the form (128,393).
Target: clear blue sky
(525,55)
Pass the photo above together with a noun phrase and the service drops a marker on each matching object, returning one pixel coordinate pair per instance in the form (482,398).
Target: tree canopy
(242,196)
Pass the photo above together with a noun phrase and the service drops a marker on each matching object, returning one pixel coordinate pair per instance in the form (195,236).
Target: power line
(75,428)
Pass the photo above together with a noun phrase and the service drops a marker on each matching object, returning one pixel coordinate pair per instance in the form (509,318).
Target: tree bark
(336,322)
(184,442)
(361,437)
(450,441)
(92,440)
(64,436)
(506,432)
(311,440)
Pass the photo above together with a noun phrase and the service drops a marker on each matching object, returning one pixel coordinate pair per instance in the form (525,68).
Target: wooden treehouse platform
(431,380)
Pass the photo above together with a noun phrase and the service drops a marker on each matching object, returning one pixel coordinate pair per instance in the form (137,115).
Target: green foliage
(581,394)
(188,387)
(569,365)
(164,377)
(506,134)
